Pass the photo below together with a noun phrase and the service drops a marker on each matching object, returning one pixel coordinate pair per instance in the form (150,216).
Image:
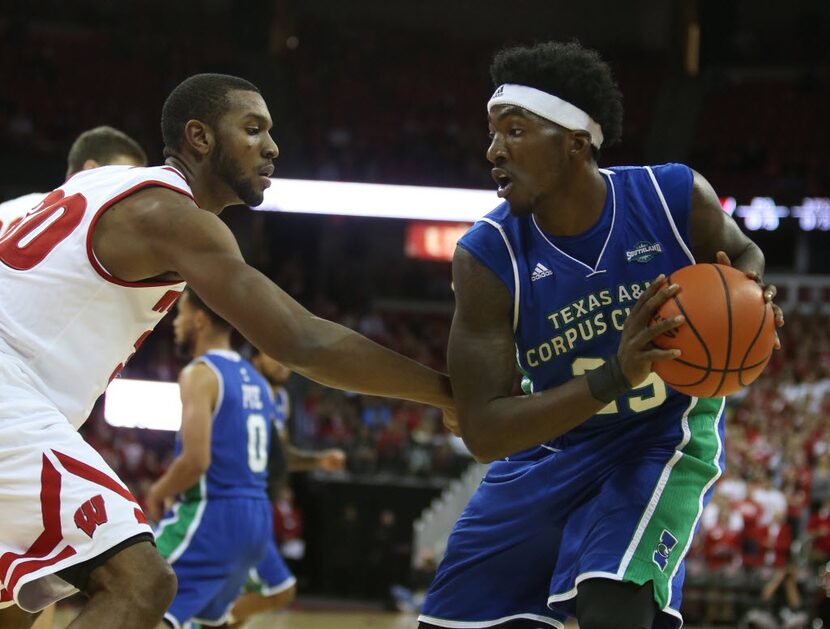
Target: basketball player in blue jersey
(600,472)
(271,586)
(220,523)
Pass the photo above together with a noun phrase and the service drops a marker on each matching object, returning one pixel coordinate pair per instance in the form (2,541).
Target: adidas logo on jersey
(539,272)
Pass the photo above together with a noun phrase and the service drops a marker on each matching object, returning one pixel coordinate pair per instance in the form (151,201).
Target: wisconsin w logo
(664,548)
(90,514)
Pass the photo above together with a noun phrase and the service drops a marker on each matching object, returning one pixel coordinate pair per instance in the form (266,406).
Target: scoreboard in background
(437,240)
(763,213)
(792,237)
(433,241)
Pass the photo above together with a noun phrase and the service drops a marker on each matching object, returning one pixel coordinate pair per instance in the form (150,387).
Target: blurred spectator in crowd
(821,479)
(822,615)
(384,555)
(818,531)
(347,551)
(288,527)
(722,542)
(362,454)
(782,603)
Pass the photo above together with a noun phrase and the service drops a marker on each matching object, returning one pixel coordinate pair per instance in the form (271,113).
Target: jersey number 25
(638,399)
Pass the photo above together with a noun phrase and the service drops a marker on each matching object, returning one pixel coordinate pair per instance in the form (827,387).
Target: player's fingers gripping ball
(727,338)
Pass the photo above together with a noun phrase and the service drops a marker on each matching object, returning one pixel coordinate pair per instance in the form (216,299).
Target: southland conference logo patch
(643,252)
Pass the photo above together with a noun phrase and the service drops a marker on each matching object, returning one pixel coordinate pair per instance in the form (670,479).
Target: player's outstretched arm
(482,362)
(331,460)
(202,250)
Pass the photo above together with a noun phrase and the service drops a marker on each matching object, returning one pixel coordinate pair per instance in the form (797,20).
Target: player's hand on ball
(636,352)
(770,291)
(332,460)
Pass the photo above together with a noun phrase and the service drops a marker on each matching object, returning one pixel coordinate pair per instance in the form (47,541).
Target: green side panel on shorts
(173,534)
(677,509)
(254,583)
(194,494)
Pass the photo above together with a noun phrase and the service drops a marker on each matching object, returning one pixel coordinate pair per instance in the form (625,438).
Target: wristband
(608,382)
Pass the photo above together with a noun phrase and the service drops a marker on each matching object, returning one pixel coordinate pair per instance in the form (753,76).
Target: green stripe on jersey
(668,522)
(527,381)
(173,533)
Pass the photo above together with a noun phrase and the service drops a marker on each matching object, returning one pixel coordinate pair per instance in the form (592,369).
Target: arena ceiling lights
(378,200)
(463,205)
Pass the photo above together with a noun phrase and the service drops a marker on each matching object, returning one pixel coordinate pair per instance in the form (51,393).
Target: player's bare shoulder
(131,238)
(197,374)
(198,381)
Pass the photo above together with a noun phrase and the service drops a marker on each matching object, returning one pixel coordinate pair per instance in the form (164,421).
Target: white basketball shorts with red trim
(60,503)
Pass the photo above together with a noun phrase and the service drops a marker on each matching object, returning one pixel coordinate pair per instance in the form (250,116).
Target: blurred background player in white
(85,278)
(101,146)
(271,586)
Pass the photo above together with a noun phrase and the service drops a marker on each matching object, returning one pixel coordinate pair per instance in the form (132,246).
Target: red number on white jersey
(26,245)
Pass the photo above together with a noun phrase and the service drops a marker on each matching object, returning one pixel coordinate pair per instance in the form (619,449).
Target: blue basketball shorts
(622,505)
(271,575)
(212,546)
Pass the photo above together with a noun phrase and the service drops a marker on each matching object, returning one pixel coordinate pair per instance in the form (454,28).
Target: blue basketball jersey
(572,295)
(241,431)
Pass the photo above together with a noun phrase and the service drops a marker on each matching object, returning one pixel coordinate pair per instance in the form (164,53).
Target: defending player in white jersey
(84,279)
(101,146)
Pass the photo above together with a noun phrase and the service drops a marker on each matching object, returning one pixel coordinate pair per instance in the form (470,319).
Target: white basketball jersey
(13,210)
(69,322)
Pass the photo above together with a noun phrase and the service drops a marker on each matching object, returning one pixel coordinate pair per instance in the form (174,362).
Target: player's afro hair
(569,71)
(201,97)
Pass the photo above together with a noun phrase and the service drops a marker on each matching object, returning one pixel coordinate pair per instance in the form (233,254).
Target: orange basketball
(727,337)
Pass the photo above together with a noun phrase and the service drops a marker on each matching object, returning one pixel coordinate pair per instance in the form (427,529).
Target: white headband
(547,106)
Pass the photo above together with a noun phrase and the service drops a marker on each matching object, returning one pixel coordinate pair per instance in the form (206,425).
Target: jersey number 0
(257,442)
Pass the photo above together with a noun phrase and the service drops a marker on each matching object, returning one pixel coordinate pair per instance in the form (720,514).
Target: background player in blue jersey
(600,471)
(271,586)
(220,523)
